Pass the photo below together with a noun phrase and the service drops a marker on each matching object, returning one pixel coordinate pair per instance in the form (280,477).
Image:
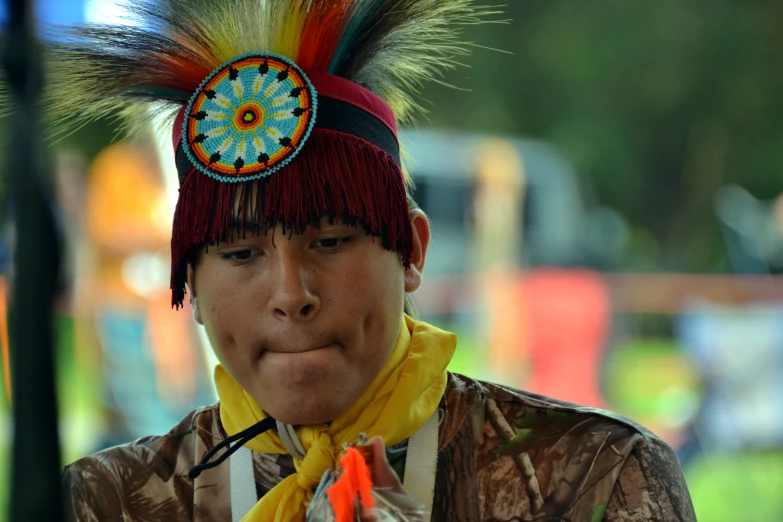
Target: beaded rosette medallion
(249,118)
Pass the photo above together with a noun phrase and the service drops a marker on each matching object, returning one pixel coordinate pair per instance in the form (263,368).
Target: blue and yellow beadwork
(249,118)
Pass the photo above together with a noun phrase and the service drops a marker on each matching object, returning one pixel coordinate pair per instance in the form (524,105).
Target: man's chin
(304,396)
(304,411)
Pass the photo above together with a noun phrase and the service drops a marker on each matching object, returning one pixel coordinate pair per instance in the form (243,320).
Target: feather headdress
(156,64)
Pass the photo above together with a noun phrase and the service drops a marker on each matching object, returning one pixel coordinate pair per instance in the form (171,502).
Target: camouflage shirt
(503,455)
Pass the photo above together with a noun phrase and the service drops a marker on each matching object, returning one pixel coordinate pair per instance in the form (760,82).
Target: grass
(740,486)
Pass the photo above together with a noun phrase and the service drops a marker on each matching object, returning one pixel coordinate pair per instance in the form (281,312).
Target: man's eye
(330,242)
(237,255)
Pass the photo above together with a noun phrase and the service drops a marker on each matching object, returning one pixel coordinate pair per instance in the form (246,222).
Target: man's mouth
(292,350)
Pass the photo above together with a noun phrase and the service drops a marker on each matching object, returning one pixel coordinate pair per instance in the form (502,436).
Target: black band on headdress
(348,118)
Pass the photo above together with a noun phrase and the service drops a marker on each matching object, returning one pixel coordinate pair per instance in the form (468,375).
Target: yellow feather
(289,33)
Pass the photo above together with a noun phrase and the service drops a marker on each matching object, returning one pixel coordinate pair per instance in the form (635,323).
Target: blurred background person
(496,244)
(153,368)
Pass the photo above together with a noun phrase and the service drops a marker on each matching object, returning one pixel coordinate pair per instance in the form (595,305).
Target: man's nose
(294,297)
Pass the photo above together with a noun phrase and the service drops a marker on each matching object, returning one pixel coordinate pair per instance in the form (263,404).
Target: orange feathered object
(354,481)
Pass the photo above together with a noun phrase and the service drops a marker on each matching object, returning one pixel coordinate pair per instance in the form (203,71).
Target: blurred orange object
(354,482)
(126,215)
(570,319)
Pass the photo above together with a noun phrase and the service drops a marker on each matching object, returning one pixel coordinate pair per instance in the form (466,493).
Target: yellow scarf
(397,403)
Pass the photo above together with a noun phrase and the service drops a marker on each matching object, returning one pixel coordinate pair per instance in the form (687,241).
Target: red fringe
(336,175)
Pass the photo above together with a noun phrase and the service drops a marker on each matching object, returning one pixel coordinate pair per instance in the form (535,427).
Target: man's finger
(368,515)
(382,474)
(387,485)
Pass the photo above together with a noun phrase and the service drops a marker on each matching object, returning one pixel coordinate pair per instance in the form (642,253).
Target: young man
(297,241)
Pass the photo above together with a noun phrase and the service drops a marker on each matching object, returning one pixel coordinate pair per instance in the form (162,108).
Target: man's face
(304,324)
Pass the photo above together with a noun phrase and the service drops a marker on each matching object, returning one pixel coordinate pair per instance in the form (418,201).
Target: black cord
(241,438)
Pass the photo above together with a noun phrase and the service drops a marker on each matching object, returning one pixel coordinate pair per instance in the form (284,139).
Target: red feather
(322,32)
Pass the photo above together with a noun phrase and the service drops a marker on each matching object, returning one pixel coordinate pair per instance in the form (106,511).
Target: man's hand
(385,479)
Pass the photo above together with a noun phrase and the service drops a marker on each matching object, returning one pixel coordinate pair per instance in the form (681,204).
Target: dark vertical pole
(35,477)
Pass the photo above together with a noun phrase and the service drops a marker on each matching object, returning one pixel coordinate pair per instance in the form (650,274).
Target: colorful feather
(389,46)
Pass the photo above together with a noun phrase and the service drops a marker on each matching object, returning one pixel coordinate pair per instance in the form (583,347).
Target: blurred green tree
(657,103)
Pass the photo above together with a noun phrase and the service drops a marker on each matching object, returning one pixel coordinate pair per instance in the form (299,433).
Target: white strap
(290,441)
(243,483)
(421,464)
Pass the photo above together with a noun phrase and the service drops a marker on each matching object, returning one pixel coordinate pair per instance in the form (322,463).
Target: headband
(224,122)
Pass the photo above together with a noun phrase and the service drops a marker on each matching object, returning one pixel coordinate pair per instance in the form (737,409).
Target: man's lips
(296,350)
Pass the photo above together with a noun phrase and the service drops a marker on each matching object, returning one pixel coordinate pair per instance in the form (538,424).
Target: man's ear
(420,226)
(191,288)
